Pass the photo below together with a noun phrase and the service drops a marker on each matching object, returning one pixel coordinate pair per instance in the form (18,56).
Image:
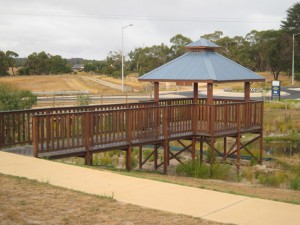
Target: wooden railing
(118,128)
(16,126)
(65,127)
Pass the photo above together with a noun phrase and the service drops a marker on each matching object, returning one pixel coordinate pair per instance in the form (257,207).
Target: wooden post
(195,97)
(155,156)
(166,137)
(201,149)
(238,137)
(210,88)
(247,91)
(156,91)
(193,147)
(35,136)
(238,152)
(247,106)
(140,156)
(88,155)
(261,145)
(166,156)
(212,150)
(128,158)
(225,146)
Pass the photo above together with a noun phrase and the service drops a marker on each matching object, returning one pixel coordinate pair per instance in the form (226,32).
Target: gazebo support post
(195,96)
(156,91)
(247,91)
(210,89)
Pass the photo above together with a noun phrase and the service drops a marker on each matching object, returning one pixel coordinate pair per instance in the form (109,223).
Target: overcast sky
(91,28)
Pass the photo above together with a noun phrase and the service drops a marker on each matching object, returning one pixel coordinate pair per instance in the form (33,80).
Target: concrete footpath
(202,203)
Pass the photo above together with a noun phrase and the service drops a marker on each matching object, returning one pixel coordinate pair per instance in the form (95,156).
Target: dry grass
(24,201)
(57,83)
(285,81)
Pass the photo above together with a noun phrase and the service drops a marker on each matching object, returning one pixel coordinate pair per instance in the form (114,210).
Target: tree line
(269,50)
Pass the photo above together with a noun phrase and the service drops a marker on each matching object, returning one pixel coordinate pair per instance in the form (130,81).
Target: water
(285,148)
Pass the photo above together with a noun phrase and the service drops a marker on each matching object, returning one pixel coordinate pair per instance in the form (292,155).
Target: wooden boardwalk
(82,131)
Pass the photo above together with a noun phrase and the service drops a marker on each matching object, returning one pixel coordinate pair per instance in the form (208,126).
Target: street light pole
(293,62)
(123,56)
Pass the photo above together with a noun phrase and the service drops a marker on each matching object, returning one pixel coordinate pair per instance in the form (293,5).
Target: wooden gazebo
(202,64)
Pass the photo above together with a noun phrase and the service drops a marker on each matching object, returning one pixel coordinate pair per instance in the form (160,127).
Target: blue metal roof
(202,42)
(201,66)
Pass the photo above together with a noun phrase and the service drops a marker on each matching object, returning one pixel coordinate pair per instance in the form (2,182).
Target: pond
(277,148)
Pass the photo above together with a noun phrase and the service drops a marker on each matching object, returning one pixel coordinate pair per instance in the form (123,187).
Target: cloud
(90,29)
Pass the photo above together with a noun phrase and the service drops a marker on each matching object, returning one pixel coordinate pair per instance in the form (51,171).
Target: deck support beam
(155,156)
(140,156)
(89,159)
(238,152)
(261,147)
(201,150)
(166,156)
(193,148)
(128,158)
(225,146)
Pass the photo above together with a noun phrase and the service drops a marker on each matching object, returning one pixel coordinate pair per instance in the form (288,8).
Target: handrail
(16,126)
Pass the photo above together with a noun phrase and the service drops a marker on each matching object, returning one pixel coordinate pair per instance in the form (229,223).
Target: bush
(194,169)
(273,180)
(294,182)
(83,100)
(221,172)
(12,98)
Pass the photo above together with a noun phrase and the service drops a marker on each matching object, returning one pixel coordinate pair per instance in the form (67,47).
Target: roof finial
(201,45)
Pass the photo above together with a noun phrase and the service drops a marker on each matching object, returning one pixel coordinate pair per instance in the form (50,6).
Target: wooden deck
(82,131)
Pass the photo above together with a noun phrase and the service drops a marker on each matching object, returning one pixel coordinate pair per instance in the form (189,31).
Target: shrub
(294,182)
(12,98)
(83,100)
(247,173)
(194,169)
(273,180)
(221,172)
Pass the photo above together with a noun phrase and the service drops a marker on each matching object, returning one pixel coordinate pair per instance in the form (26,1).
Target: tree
(11,60)
(44,64)
(278,52)
(38,63)
(4,64)
(58,65)
(12,98)
(143,60)
(236,49)
(292,22)
(178,45)
(214,36)
(292,26)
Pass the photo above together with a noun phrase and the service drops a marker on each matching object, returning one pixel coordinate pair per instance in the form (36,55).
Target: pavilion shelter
(203,64)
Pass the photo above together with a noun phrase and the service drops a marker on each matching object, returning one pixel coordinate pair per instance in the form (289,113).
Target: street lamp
(293,63)
(123,56)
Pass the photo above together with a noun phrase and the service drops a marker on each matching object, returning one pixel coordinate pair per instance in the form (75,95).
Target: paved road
(196,202)
(288,93)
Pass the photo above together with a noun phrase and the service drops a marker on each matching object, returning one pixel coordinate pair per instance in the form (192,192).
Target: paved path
(206,204)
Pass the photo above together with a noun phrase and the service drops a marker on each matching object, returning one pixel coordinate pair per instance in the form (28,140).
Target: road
(288,93)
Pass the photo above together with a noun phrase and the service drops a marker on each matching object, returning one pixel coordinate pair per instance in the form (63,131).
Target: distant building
(78,67)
